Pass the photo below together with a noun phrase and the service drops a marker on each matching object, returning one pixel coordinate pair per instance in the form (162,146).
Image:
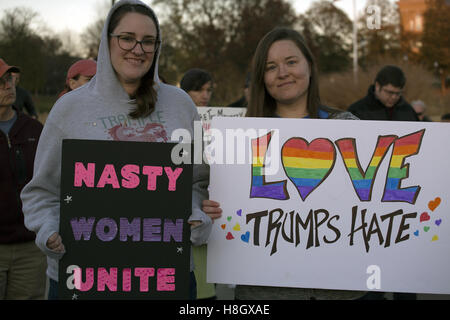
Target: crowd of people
(282,83)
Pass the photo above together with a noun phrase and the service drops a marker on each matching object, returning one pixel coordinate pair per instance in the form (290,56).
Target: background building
(412,22)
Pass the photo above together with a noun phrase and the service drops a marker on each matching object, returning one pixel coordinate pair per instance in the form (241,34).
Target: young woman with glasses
(125,101)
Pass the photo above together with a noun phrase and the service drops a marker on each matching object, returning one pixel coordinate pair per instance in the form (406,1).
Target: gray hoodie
(99,111)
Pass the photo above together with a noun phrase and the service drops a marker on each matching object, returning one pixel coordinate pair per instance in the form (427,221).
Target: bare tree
(40,55)
(327,29)
(219,36)
(382,42)
(16,22)
(436,40)
(90,38)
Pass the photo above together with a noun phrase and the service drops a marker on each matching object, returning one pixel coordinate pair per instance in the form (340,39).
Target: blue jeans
(53,288)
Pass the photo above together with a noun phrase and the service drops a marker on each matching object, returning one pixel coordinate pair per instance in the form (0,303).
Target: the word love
(308,164)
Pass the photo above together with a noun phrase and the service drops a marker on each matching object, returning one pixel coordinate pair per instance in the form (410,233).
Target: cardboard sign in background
(351,205)
(140,241)
(208,113)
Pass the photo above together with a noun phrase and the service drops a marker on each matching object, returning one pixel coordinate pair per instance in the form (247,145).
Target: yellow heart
(237,227)
(435,238)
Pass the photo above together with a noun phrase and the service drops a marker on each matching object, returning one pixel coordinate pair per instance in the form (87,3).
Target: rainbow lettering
(260,188)
(363,180)
(403,147)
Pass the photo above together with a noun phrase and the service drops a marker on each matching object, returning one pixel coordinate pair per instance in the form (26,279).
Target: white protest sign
(207,114)
(332,204)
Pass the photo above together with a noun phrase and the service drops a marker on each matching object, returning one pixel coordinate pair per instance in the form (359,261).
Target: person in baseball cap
(4,68)
(23,99)
(23,265)
(78,74)
(7,88)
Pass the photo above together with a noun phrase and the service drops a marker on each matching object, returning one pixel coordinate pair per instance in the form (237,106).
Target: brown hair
(145,95)
(261,103)
(195,79)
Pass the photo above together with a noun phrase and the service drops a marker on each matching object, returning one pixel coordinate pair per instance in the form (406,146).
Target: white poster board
(208,113)
(332,204)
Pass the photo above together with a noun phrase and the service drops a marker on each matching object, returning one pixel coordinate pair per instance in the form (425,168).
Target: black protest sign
(124,212)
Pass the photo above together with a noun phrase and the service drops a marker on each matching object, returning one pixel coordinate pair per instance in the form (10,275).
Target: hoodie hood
(99,110)
(106,79)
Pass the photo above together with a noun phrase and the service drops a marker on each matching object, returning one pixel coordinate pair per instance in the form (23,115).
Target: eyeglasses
(128,43)
(8,78)
(392,93)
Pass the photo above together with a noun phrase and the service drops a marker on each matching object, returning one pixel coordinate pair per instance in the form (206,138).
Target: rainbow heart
(237,227)
(308,164)
(426,229)
(416,233)
(229,236)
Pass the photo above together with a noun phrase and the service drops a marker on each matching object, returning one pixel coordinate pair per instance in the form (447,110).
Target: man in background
(384,100)
(22,264)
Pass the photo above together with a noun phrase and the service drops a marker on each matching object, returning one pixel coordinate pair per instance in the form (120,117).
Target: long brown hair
(261,103)
(145,95)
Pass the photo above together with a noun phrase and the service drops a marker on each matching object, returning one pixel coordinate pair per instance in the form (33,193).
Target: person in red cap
(22,264)
(79,73)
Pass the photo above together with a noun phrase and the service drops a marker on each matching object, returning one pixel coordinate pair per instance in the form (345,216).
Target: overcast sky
(76,15)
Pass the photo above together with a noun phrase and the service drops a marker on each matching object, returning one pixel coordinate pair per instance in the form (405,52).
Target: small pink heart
(424,217)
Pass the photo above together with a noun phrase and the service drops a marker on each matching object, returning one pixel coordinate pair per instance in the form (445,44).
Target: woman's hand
(212,209)
(54,243)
